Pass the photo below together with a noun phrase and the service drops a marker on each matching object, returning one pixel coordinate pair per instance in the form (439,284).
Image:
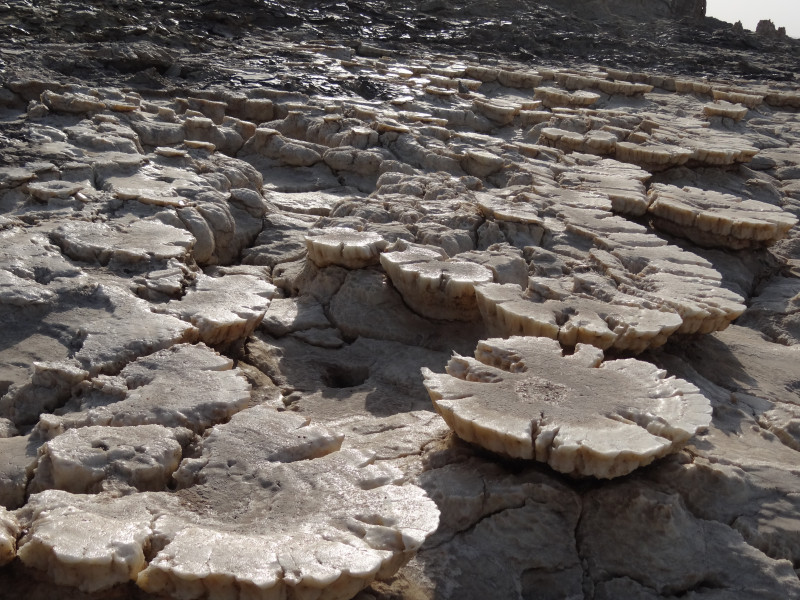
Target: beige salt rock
(270,143)
(361,162)
(127,329)
(671,278)
(621,182)
(91,550)
(223,309)
(288,315)
(737,97)
(7,428)
(22,292)
(139,242)
(227,450)
(50,384)
(481,163)
(301,519)
(515,217)
(713,219)
(506,263)
(481,73)
(568,141)
(356,524)
(433,285)
(704,305)
(652,156)
(10,530)
(721,108)
(72,102)
(526,80)
(201,386)
(622,324)
(497,111)
(524,399)
(782,99)
(689,86)
(344,247)
(309,203)
(46,190)
(554,98)
(91,459)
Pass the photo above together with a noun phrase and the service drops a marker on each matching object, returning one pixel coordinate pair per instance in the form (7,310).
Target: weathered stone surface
(183,386)
(91,459)
(9,532)
(224,309)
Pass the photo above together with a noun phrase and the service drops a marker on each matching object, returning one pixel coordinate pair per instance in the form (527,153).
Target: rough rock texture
(232,235)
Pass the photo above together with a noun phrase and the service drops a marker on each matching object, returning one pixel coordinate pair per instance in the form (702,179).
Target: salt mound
(523,398)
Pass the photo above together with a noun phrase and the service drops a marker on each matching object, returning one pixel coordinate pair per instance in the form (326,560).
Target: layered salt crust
(226,310)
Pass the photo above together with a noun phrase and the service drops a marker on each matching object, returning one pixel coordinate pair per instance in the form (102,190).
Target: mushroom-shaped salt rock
(713,219)
(435,286)
(553,97)
(344,247)
(721,108)
(523,398)
(652,156)
(623,324)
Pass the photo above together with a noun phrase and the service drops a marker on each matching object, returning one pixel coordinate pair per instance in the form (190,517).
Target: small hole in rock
(344,376)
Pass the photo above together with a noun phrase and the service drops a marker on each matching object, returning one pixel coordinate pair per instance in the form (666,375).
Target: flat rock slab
(224,309)
(183,386)
(90,459)
(141,241)
(326,525)
(717,220)
(524,399)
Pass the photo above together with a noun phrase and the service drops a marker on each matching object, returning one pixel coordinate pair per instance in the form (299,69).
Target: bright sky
(784,13)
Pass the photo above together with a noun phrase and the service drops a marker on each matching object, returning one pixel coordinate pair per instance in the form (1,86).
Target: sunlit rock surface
(581,416)
(89,459)
(356,521)
(231,239)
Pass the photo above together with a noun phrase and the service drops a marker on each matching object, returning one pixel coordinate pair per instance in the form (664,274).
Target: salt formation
(9,532)
(714,219)
(202,386)
(94,458)
(356,521)
(224,309)
(344,247)
(582,416)
(621,323)
(237,247)
(433,285)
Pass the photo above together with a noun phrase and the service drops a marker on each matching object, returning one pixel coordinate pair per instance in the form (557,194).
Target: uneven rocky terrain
(426,301)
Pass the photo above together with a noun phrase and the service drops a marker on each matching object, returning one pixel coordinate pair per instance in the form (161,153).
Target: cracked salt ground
(221,277)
